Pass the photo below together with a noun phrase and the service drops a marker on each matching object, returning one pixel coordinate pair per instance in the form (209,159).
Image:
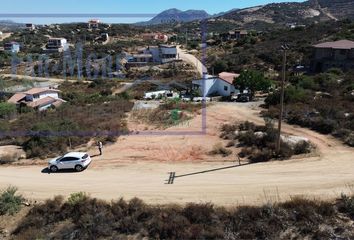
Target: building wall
(321,53)
(325,59)
(43,108)
(214,86)
(49,94)
(341,55)
(154,51)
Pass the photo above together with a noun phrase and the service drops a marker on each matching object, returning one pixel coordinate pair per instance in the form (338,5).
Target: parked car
(73,160)
(201,99)
(243,97)
(186,98)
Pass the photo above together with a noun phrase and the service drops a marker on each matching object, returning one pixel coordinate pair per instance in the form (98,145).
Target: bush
(346,205)
(77,198)
(262,155)
(218,149)
(7,110)
(95,219)
(10,202)
(302,148)
(8,159)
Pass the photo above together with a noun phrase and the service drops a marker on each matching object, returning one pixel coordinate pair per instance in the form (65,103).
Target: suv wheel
(53,168)
(79,168)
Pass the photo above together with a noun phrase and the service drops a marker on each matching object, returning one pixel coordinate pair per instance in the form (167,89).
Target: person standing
(100,146)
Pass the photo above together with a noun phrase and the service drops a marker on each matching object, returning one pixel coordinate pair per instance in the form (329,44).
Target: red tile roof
(228,77)
(341,44)
(45,101)
(39,90)
(16,98)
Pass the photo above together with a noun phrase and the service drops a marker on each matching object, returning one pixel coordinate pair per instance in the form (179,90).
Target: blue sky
(117,6)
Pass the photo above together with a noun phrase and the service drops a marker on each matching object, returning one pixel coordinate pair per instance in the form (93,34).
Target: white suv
(74,160)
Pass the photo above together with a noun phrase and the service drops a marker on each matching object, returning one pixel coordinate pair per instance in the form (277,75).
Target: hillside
(175,15)
(8,25)
(292,12)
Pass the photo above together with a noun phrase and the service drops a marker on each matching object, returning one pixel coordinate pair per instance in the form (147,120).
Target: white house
(38,98)
(57,45)
(156,54)
(30,26)
(215,86)
(93,24)
(12,47)
(168,53)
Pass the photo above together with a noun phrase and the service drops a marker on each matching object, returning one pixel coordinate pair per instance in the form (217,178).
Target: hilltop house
(12,47)
(37,98)
(56,45)
(234,35)
(30,26)
(221,85)
(154,55)
(338,54)
(93,24)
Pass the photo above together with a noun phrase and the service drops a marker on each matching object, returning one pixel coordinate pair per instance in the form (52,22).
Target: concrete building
(56,45)
(234,35)
(212,86)
(30,26)
(12,47)
(338,54)
(94,24)
(168,53)
(154,55)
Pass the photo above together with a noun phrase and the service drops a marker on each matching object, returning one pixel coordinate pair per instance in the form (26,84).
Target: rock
(293,140)
(260,135)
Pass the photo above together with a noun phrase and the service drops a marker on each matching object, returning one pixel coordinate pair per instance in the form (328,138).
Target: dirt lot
(137,166)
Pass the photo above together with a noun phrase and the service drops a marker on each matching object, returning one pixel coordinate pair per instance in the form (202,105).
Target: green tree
(252,80)
(220,66)
(7,109)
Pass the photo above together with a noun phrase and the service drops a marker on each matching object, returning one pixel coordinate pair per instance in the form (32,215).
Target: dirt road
(137,166)
(192,59)
(42,79)
(5,36)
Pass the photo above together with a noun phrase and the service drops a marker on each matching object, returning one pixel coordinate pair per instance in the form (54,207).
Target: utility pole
(186,38)
(284,49)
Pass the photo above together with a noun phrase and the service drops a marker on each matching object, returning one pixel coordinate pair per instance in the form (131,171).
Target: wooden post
(284,48)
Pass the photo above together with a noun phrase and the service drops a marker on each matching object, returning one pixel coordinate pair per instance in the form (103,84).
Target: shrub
(7,110)
(350,140)
(346,205)
(302,147)
(218,149)
(8,159)
(77,198)
(262,155)
(10,202)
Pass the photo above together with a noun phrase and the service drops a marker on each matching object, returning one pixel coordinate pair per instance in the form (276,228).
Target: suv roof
(75,154)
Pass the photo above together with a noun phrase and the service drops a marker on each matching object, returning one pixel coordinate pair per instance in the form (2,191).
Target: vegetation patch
(90,111)
(90,218)
(323,103)
(10,201)
(168,114)
(258,143)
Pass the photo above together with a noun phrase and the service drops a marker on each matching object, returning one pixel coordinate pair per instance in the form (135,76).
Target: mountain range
(274,13)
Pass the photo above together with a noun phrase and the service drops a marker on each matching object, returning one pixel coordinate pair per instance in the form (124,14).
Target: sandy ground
(137,166)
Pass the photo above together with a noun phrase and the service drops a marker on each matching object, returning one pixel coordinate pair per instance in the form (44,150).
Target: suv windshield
(85,156)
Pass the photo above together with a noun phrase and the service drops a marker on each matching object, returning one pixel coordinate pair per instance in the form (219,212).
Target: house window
(226,88)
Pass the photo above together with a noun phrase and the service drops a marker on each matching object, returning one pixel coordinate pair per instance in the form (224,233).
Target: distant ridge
(174,15)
